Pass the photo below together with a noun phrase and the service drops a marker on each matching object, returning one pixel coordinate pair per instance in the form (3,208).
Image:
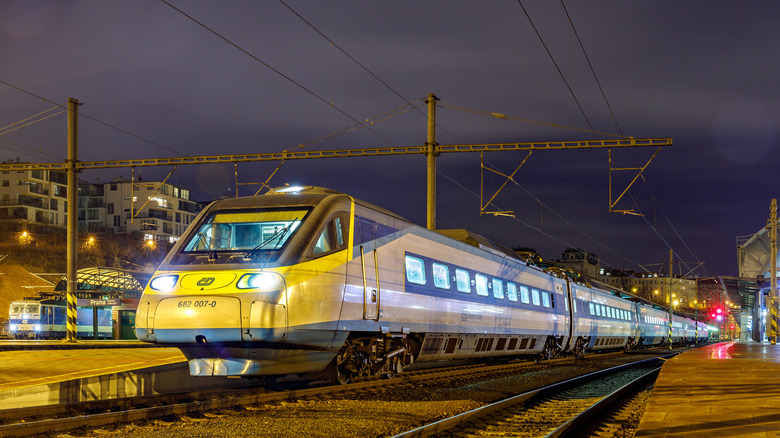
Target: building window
(110,208)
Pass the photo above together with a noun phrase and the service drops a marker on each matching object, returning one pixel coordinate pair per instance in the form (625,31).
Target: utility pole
(72,223)
(771,228)
(431,152)
(671,260)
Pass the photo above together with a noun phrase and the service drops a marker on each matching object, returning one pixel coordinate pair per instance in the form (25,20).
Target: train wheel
(344,366)
(579,347)
(551,348)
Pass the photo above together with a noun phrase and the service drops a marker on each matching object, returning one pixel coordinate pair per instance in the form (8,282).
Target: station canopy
(110,281)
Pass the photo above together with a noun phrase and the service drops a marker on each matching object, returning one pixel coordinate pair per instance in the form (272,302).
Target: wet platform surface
(25,367)
(728,389)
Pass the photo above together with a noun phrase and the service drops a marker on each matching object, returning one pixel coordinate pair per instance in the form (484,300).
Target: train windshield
(248,232)
(25,308)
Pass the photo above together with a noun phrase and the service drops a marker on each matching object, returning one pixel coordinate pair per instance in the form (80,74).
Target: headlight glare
(164,283)
(263,281)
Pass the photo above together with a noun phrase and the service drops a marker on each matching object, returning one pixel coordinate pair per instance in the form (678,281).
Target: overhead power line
(560,73)
(268,66)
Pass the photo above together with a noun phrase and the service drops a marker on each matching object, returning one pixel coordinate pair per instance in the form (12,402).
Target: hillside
(16,283)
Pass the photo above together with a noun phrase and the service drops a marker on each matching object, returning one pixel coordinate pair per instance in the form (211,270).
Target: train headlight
(25,316)
(264,281)
(14,327)
(164,283)
(37,328)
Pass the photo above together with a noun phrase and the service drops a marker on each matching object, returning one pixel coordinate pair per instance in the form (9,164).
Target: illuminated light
(150,243)
(164,283)
(14,327)
(263,280)
(37,328)
(25,315)
(291,189)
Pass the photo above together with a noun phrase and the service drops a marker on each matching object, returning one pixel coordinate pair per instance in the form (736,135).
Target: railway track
(86,415)
(552,411)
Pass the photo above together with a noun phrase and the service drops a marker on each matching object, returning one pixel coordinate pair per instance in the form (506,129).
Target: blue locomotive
(309,280)
(46,318)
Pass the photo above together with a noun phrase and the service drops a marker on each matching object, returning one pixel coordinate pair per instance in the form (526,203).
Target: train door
(370,268)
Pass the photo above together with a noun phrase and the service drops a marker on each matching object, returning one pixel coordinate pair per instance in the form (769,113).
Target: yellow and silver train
(308,280)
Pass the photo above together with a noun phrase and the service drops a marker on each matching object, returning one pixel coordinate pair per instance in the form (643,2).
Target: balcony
(26,200)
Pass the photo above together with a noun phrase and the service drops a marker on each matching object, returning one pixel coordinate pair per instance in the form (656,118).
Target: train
(45,317)
(311,281)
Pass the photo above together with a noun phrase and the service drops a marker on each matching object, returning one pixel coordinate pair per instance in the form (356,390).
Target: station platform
(38,365)
(725,389)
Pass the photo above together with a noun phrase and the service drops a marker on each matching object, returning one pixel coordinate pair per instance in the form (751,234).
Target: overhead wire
(560,73)
(26,121)
(593,70)
(268,66)
(526,120)
(374,75)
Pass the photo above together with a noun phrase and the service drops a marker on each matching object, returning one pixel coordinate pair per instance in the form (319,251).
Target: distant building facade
(653,286)
(33,198)
(158,211)
(581,261)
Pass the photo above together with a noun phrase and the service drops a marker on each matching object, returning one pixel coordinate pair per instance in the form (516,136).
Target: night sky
(702,73)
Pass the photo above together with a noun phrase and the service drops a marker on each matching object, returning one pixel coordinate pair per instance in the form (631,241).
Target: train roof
(479,241)
(286,196)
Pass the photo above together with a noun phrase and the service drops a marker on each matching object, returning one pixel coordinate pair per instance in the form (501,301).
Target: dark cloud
(704,75)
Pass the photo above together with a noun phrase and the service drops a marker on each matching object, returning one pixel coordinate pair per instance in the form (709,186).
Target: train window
(482,285)
(339,231)
(535,297)
(325,243)
(592,309)
(524,297)
(598,310)
(415,270)
(498,289)
(463,281)
(511,292)
(248,230)
(441,276)
(545,299)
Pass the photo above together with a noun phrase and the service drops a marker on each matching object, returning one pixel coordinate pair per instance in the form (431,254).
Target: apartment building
(158,211)
(35,199)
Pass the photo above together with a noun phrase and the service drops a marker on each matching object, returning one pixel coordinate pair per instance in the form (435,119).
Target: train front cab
(255,286)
